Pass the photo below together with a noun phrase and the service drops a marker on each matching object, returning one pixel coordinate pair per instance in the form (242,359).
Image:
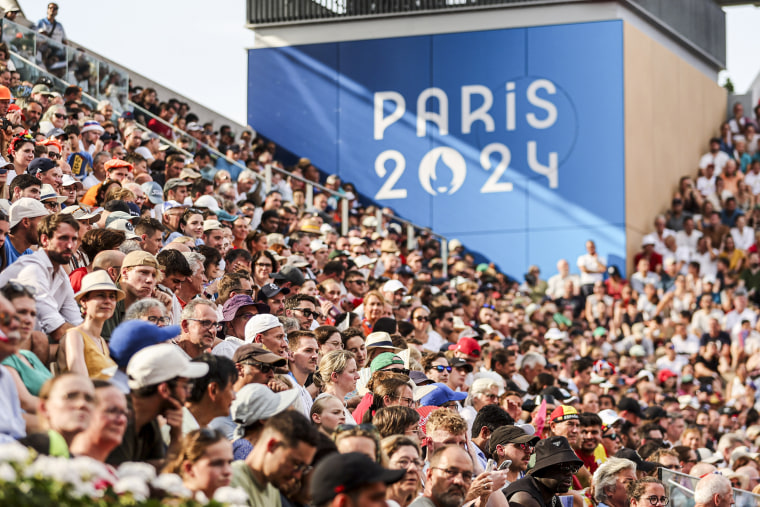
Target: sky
(201,51)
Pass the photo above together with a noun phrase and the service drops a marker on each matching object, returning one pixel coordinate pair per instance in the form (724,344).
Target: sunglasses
(60,116)
(402,371)
(526,448)
(309,313)
(440,369)
(54,155)
(349,427)
(612,436)
(422,319)
(263,368)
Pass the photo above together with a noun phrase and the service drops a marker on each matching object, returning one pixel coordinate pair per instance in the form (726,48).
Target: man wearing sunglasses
(511,444)
(303,308)
(552,474)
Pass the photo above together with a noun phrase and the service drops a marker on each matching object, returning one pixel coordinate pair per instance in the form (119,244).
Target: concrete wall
(671,111)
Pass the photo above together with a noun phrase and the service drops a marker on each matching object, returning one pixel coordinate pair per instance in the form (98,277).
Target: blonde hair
(333,362)
(445,419)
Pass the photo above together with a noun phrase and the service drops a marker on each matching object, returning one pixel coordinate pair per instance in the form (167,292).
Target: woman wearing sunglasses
(420,319)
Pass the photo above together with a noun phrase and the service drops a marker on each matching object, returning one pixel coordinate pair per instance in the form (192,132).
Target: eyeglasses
(440,368)
(490,396)
(654,500)
(263,368)
(205,323)
(405,463)
(451,473)
(408,401)
(159,321)
(308,313)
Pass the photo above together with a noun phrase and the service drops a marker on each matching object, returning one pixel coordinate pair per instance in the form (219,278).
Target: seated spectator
(328,412)
(236,312)
(362,438)
(211,395)
(204,462)
(403,454)
(83,350)
(107,425)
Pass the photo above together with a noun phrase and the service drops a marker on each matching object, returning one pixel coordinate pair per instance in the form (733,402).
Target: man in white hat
(267,330)
(25,217)
(158,377)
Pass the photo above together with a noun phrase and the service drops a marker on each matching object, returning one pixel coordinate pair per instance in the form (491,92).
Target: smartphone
(505,464)
(490,466)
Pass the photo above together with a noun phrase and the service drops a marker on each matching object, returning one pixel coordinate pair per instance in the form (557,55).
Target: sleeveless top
(96,360)
(32,376)
(528,485)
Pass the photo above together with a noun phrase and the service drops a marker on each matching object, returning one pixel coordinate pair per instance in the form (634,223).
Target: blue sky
(199,47)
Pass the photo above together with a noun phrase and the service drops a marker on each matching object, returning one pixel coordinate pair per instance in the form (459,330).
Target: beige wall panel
(671,110)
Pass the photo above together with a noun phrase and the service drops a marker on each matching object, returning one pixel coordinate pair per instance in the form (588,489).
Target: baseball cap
(235,303)
(630,405)
(564,413)
(40,165)
(153,192)
(290,274)
(124,226)
(212,225)
(26,207)
(609,417)
(80,212)
(116,163)
(632,455)
(405,270)
(90,126)
(140,258)
(458,362)
(385,359)
(148,136)
(134,335)
(510,435)
(255,402)
(206,201)
(260,324)
(468,346)
(345,473)
(118,215)
(317,245)
(655,412)
(176,182)
(393,286)
(271,290)
(255,352)
(438,394)
(69,180)
(160,363)
(170,204)
(555,334)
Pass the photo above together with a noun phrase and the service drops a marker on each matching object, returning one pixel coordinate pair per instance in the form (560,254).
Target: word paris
(542,117)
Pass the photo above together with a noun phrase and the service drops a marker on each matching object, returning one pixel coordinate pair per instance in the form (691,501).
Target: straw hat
(98,280)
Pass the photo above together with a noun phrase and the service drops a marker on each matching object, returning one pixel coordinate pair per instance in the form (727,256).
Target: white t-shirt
(688,240)
(594,264)
(718,160)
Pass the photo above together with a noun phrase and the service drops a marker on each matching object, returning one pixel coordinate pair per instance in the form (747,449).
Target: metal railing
(265,12)
(30,71)
(66,62)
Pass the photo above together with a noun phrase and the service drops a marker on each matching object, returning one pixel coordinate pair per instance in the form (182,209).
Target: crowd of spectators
(169,309)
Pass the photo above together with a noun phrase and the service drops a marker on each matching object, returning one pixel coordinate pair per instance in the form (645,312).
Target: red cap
(467,346)
(5,93)
(116,163)
(665,375)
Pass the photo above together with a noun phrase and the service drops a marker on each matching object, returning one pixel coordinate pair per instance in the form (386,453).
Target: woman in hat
(204,463)
(85,351)
(337,375)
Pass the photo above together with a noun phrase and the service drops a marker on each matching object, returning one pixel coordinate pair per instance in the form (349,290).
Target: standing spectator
(50,27)
(592,267)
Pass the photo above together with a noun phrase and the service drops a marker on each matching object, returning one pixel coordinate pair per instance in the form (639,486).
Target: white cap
(259,324)
(69,180)
(26,207)
(317,245)
(555,334)
(454,244)
(206,201)
(393,286)
(354,241)
(255,402)
(609,417)
(212,225)
(124,226)
(160,363)
(363,261)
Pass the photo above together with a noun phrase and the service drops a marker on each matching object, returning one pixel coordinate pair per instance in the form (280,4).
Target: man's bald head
(109,261)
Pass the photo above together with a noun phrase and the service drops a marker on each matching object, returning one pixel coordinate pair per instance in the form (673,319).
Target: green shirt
(32,376)
(258,495)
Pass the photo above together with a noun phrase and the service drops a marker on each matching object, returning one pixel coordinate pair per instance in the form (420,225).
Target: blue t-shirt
(11,254)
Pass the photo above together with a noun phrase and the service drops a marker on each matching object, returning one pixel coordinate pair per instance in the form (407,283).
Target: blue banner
(510,140)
